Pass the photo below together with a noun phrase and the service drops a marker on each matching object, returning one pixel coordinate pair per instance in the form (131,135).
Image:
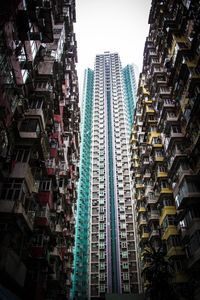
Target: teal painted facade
(130,91)
(80,275)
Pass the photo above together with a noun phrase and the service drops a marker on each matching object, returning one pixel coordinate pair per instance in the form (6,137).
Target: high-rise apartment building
(105,214)
(165,142)
(39,148)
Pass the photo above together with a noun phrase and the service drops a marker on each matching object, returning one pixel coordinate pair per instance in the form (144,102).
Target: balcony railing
(154,233)
(169,103)
(165,91)
(181,172)
(151,200)
(172,117)
(29,128)
(42,217)
(16,207)
(37,111)
(23,170)
(186,191)
(161,174)
(153,215)
(173,136)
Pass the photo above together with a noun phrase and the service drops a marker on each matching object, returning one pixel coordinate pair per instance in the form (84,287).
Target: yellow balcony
(139,186)
(137,175)
(157,146)
(175,251)
(145,235)
(133,139)
(153,134)
(166,191)
(135,157)
(149,110)
(159,158)
(170,230)
(167,210)
(162,174)
(144,90)
(142,209)
(142,222)
(135,164)
(149,101)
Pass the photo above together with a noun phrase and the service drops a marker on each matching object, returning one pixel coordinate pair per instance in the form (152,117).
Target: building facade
(39,148)
(130,90)
(165,142)
(112,263)
(80,275)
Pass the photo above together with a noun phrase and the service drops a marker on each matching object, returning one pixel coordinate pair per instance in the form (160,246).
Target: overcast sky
(110,25)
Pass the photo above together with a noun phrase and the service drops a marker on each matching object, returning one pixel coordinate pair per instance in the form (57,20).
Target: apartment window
(125,276)
(125,265)
(45,185)
(101,209)
(124,254)
(102,255)
(102,276)
(124,245)
(22,155)
(126,288)
(102,266)
(164,184)
(102,288)
(94,195)
(161,168)
(101,217)
(101,235)
(121,208)
(94,247)
(123,234)
(168,202)
(101,193)
(30,125)
(175,129)
(13,190)
(122,216)
(101,245)
(123,225)
(101,226)
(101,201)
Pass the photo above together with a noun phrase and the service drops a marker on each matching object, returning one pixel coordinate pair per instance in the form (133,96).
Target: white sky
(110,25)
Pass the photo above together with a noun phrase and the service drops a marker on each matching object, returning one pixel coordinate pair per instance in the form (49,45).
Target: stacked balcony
(168,108)
(39,148)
